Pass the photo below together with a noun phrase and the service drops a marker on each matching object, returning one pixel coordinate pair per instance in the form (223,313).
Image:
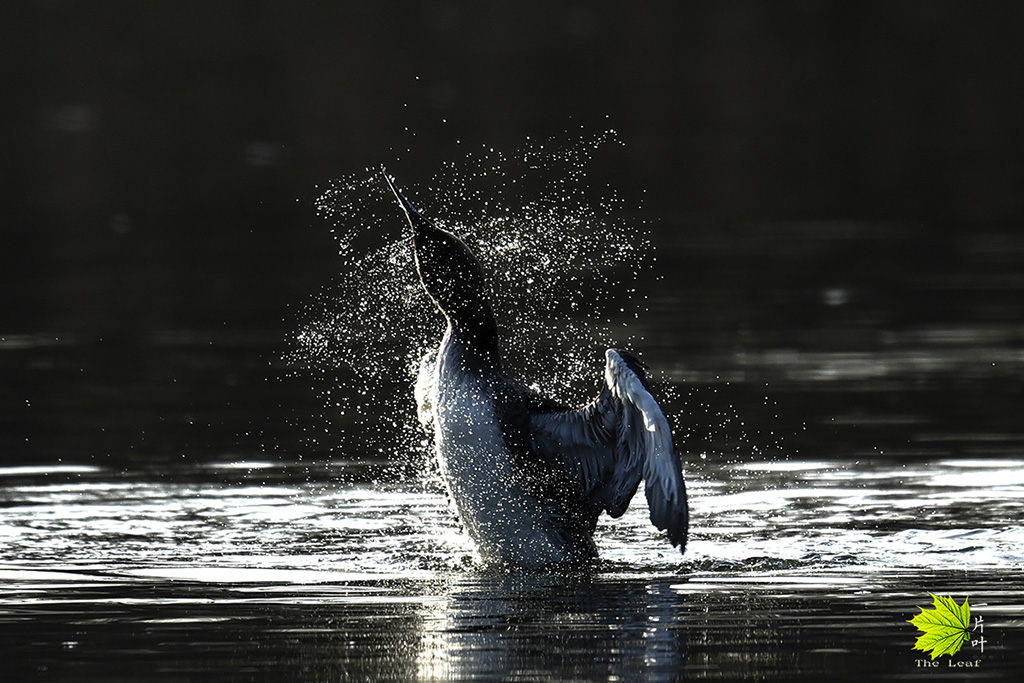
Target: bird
(528,476)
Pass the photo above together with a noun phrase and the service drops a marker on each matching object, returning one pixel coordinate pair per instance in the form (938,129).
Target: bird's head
(450,273)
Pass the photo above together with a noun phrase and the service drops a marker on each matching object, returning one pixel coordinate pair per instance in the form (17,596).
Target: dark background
(161,163)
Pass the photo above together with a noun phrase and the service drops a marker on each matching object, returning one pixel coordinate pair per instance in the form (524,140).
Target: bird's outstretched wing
(611,444)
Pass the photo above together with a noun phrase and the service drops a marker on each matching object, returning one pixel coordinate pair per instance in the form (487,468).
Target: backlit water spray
(561,257)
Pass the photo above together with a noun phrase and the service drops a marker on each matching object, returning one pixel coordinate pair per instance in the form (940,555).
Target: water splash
(560,258)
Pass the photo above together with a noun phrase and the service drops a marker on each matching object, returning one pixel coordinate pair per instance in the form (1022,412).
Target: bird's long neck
(479,332)
(458,289)
(455,281)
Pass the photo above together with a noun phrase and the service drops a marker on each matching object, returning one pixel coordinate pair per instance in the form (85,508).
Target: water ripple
(752,517)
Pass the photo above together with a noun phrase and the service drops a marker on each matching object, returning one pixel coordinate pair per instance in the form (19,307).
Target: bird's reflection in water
(547,627)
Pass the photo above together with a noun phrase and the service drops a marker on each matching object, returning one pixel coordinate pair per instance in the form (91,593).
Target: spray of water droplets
(559,256)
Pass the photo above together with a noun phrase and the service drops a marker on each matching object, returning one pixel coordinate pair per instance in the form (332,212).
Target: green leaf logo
(945,627)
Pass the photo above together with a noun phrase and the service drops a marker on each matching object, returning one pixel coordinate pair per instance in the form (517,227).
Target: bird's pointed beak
(416,219)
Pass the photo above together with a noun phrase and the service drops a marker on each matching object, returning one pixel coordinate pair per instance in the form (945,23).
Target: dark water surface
(178,506)
(809,216)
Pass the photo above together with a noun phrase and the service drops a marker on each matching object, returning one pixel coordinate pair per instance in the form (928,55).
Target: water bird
(529,476)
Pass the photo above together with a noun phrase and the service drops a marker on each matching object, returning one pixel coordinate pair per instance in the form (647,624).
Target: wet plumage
(529,476)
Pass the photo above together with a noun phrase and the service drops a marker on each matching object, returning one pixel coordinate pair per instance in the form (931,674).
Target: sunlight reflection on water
(753,515)
(785,559)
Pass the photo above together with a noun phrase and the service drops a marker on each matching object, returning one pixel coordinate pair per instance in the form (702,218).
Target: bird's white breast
(485,481)
(474,460)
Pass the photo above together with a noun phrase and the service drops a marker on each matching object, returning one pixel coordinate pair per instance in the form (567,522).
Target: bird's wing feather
(611,444)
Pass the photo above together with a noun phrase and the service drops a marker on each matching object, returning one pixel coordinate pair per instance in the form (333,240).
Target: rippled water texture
(794,569)
(847,405)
